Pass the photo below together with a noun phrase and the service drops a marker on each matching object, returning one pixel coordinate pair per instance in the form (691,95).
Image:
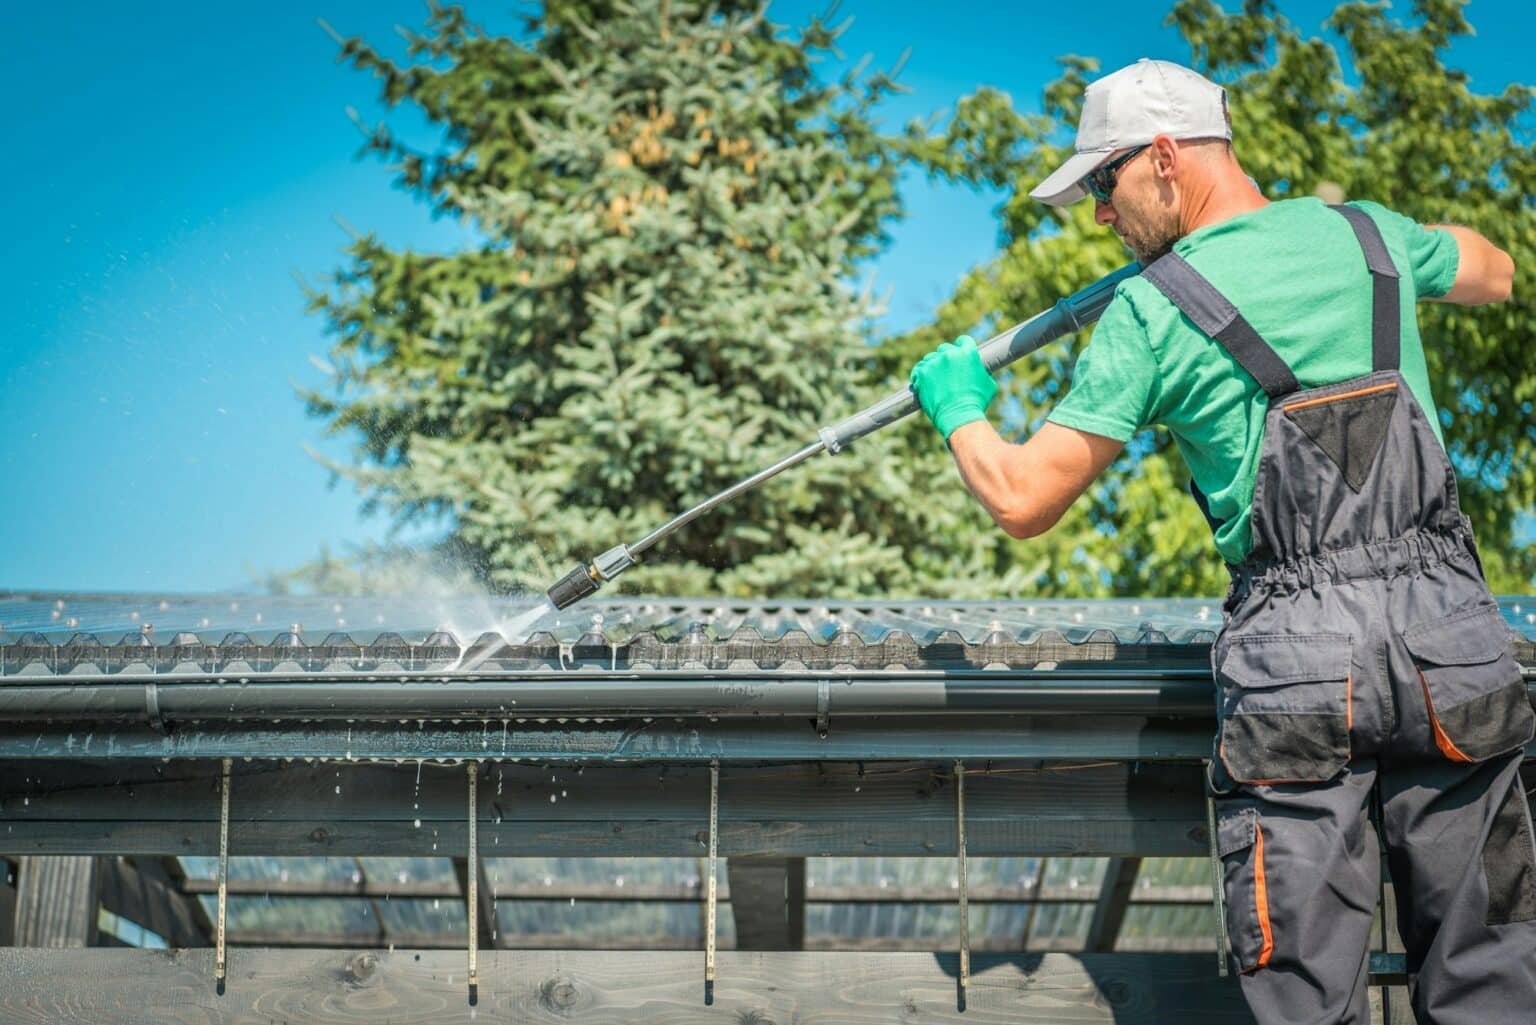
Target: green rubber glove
(953,385)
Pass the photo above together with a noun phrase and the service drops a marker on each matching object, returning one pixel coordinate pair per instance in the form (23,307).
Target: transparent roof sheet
(44,634)
(404,916)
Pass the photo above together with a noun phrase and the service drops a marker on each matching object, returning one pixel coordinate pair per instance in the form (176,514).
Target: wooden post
(57,900)
(768,901)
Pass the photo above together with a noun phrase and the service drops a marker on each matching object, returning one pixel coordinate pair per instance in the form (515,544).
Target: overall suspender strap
(1210,311)
(1386,313)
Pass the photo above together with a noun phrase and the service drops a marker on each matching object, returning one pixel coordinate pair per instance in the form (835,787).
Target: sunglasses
(1100,182)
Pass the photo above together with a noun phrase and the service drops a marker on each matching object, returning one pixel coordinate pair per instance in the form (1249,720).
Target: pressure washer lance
(1075,311)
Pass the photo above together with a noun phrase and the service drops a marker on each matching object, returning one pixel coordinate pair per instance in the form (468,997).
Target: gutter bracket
(220,963)
(710,895)
(964,977)
(823,708)
(471,894)
(152,707)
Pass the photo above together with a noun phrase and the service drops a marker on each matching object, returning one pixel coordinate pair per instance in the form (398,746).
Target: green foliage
(671,202)
(1411,135)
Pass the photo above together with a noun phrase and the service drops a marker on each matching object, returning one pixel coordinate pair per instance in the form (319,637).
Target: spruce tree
(673,204)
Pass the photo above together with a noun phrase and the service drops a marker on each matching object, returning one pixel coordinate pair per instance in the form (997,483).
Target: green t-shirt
(1295,271)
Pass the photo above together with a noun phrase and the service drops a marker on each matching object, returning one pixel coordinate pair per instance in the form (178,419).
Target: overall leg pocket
(1477,701)
(1509,860)
(1240,842)
(1285,708)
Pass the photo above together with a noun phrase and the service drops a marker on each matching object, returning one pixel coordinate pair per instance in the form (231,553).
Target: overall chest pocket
(1285,707)
(1477,701)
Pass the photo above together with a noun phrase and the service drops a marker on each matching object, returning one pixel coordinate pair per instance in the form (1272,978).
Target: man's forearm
(1026,488)
(988,464)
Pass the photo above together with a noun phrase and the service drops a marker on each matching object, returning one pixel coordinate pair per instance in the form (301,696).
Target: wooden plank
(1109,909)
(794,810)
(118,987)
(131,894)
(57,899)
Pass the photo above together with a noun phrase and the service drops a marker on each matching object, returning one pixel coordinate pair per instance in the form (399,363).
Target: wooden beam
(118,987)
(131,894)
(57,899)
(682,893)
(795,810)
(1114,898)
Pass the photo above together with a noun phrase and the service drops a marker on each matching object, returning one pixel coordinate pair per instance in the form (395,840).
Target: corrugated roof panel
(439,917)
(47,635)
(307,918)
(135,620)
(282,870)
(659,923)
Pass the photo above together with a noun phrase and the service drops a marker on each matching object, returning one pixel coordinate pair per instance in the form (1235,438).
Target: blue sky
(169,168)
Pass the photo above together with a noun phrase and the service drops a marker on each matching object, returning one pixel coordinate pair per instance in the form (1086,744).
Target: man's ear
(1165,157)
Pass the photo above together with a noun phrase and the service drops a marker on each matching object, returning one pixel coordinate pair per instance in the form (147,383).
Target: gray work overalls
(1361,648)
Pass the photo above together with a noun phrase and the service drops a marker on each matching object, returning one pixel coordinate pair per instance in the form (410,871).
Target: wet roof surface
(42,633)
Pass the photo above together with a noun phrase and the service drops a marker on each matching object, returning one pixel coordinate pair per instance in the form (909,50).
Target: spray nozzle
(583,581)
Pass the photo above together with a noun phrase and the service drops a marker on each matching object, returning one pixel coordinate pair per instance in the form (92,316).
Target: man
(1361,650)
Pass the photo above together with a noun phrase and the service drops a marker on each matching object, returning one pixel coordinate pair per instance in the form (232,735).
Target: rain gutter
(160,698)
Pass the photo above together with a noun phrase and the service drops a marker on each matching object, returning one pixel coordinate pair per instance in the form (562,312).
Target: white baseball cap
(1131,107)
